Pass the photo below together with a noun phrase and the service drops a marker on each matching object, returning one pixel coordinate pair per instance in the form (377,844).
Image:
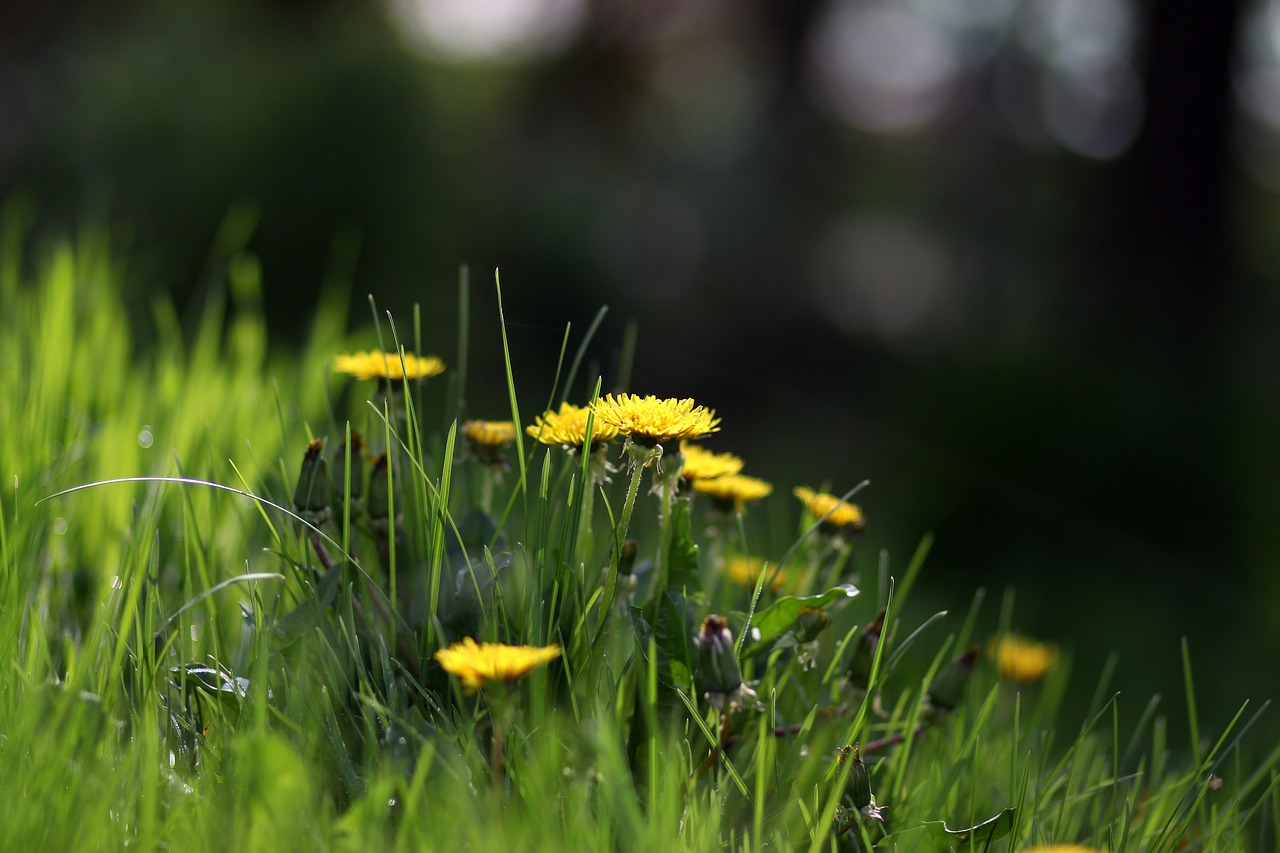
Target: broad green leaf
(778,618)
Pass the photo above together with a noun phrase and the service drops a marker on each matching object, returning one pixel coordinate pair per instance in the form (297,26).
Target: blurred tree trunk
(1165,264)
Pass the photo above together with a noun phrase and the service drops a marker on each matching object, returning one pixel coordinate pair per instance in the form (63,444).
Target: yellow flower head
(568,427)
(843,516)
(649,421)
(733,491)
(745,571)
(489,434)
(477,664)
(702,464)
(1022,660)
(387,366)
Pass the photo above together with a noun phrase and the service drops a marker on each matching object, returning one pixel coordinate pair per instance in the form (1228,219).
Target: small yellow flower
(489,434)
(477,664)
(1021,659)
(745,571)
(568,427)
(843,516)
(387,366)
(649,421)
(702,464)
(733,491)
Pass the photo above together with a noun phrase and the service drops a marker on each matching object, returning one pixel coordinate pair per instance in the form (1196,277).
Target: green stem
(662,565)
(611,585)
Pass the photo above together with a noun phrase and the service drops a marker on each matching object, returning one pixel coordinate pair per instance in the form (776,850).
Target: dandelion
(568,428)
(487,438)
(718,673)
(700,464)
(732,493)
(387,367)
(649,421)
(478,664)
(1021,659)
(745,571)
(836,515)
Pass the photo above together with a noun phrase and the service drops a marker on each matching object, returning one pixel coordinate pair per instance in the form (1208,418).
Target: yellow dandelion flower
(477,664)
(733,491)
(700,464)
(568,427)
(489,434)
(649,421)
(745,571)
(387,366)
(843,516)
(1021,659)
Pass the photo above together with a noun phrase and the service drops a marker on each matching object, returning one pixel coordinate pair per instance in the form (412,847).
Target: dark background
(1011,260)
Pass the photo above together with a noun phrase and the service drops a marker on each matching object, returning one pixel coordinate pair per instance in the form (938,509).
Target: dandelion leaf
(777,619)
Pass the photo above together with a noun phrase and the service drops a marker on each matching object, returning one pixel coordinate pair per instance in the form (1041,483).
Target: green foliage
(199,660)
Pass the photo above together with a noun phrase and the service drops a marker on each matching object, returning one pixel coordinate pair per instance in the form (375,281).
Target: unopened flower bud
(947,688)
(863,657)
(718,671)
(339,482)
(311,496)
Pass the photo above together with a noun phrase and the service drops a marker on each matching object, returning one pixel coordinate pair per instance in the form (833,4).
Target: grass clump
(305,601)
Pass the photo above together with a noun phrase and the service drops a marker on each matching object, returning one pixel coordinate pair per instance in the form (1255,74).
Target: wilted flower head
(650,421)
(376,364)
(1022,659)
(568,427)
(835,513)
(732,493)
(701,464)
(477,664)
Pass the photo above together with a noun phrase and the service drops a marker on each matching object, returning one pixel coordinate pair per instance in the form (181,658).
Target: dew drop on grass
(59,526)
(145,438)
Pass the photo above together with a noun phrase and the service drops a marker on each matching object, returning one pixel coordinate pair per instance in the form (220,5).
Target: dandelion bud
(947,688)
(311,496)
(810,622)
(859,787)
(718,671)
(338,480)
(379,496)
(864,653)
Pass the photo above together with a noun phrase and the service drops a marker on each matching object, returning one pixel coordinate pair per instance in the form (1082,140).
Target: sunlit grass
(200,656)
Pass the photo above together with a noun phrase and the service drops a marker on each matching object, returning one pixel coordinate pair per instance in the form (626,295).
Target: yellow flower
(477,664)
(379,365)
(745,571)
(1023,660)
(733,491)
(843,516)
(568,427)
(648,421)
(489,434)
(702,464)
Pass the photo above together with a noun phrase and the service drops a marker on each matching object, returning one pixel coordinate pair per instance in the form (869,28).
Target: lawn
(260,597)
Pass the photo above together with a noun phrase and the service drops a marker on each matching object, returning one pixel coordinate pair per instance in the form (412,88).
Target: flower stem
(662,565)
(611,585)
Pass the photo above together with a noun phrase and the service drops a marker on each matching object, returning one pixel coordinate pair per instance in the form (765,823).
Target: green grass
(191,666)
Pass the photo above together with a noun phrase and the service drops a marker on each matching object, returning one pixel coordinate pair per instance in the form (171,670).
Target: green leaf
(778,618)
(684,552)
(673,639)
(212,680)
(934,837)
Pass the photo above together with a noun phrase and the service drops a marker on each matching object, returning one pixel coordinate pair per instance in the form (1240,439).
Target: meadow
(257,597)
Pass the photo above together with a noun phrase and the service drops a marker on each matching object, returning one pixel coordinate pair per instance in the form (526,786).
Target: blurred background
(1010,260)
